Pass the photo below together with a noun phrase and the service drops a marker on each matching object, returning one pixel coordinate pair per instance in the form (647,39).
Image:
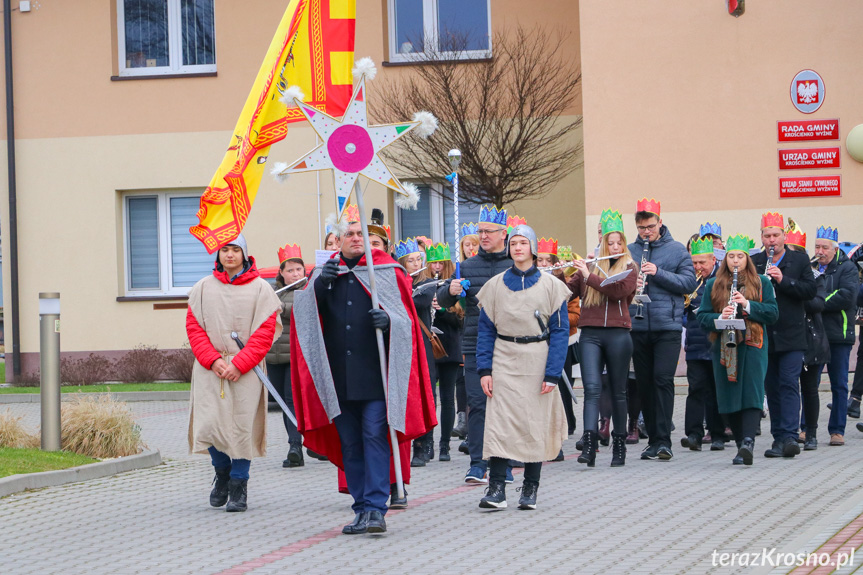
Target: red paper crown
(652,206)
(794,235)
(290,252)
(389,234)
(352,214)
(772,220)
(513,221)
(547,246)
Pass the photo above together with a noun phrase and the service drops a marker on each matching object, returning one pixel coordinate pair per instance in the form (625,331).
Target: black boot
(579,445)
(854,408)
(618,450)
(588,453)
(359,525)
(377,524)
(219,494)
(460,428)
(443,451)
(429,447)
(238,493)
(419,460)
(495,497)
(395,501)
(294,458)
(745,452)
(463,448)
(811,443)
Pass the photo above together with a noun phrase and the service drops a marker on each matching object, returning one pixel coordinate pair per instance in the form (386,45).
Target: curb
(121,396)
(23,482)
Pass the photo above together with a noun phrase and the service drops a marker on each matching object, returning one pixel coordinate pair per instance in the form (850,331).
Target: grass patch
(15,460)
(3,372)
(107,387)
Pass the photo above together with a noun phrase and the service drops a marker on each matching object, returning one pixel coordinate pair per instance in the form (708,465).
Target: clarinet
(769,263)
(731,337)
(639,305)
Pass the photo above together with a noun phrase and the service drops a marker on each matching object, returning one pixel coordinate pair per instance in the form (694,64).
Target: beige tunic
(520,423)
(236,424)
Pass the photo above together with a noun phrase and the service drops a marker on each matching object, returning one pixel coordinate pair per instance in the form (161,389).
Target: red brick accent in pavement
(848,538)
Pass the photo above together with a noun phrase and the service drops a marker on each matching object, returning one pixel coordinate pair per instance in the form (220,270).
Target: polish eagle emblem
(807,92)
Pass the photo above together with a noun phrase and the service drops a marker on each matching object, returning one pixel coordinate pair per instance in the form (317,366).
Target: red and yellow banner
(313,48)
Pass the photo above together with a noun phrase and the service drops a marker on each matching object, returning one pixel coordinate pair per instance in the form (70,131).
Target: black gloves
(380,319)
(330,272)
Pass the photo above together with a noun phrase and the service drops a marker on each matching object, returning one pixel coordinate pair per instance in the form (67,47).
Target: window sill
(418,62)
(164,76)
(153,298)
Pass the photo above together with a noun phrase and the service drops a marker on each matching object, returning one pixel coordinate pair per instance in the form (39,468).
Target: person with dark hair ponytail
(739,358)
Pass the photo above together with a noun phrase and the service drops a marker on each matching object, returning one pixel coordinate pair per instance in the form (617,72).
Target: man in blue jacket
(666,276)
(840,308)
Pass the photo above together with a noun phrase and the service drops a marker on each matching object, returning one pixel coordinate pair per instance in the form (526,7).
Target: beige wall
(681,104)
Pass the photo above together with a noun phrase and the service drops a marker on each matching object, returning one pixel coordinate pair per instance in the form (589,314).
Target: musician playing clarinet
(739,358)
(792,279)
(666,275)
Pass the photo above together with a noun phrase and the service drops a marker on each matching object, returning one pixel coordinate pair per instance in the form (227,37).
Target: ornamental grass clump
(13,433)
(99,427)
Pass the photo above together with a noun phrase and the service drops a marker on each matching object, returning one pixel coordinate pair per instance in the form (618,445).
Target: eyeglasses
(487,232)
(646,228)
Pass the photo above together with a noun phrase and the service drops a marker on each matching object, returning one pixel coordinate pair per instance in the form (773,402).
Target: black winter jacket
(818,348)
(840,305)
(697,345)
(797,287)
(452,327)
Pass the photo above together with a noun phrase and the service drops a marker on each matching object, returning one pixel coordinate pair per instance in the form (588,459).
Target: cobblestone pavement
(647,517)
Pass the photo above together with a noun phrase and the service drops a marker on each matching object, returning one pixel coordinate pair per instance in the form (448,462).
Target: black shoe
(359,525)
(219,494)
(238,494)
(692,441)
(559,456)
(419,459)
(811,443)
(495,497)
(854,408)
(443,452)
(528,495)
(717,445)
(376,522)
(774,451)
(618,450)
(860,426)
(294,458)
(463,448)
(395,501)
(664,453)
(460,428)
(429,448)
(588,453)
(317,456)
(790,448)
(745,453)
(650,452)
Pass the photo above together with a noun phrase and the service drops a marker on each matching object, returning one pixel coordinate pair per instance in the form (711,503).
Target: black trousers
(633,402)
(497,470)
(460,393)
(611,346)
(565,396)
(857,386)
(655,355)
(447,374)
(701,401)
(744,423)
(280,375)
(810,378)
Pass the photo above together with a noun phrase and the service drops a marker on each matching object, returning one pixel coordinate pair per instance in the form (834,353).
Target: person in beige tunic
(522,338)
(228,403)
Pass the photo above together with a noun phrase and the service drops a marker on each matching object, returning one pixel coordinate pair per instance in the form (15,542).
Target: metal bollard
(49,358)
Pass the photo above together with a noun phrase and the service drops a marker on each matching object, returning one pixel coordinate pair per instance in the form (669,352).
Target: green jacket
(281,350)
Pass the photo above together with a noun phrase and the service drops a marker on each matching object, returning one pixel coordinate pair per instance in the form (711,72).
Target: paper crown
(470,229)
(645,205)
(701,247)
(610,221)
(407,247)
(290,252)
(351,214)
(828,233)
(425,240)
(564,253)
(713,229)
(438,253)
(547,246)
(513,221)
(739,243)
(491,215)
(794,235)
(772,220)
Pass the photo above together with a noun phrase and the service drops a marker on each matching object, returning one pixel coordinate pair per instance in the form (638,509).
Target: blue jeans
(239,467)
(837,369)
(781,384)
(364,435)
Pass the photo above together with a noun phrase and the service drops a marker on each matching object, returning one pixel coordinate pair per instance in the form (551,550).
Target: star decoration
(350,147)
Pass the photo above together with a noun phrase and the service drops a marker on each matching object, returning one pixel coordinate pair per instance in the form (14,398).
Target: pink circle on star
(350,148)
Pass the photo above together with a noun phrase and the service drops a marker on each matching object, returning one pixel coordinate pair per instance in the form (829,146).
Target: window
(162,257)
(158,37)
(460,27)
(434,216)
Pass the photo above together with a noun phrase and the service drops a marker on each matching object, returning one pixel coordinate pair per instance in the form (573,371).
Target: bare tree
(505,114)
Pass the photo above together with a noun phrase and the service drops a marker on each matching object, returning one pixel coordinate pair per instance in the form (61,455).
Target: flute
(304,279)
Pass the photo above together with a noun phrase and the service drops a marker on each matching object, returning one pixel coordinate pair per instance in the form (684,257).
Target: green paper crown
(702,247)
(739,243)
(611,221)
(438,253)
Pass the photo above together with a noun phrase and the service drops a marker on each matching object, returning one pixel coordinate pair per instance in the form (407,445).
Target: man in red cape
(342,411)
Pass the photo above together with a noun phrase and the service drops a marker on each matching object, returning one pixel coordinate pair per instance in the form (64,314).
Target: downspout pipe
(13,194)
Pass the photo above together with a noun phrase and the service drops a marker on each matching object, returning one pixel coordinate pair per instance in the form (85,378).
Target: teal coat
(748,391)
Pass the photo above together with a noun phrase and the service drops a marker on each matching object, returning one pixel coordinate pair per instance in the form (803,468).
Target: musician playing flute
(739,370)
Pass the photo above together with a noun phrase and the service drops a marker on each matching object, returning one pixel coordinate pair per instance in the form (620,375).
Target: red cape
(319,433)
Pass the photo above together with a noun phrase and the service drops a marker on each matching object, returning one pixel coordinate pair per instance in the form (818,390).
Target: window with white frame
(162,257)
(434,216)
(422,27)
(158,37)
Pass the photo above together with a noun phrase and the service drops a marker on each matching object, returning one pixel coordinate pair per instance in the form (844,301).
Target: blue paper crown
(827,233)
(491,215)
(713,229)
(470,229)
(407,247)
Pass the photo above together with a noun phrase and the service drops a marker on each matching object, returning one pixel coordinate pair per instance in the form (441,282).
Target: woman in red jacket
(604,323)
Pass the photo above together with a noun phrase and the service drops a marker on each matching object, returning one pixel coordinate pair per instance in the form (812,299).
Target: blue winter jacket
(697,344)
